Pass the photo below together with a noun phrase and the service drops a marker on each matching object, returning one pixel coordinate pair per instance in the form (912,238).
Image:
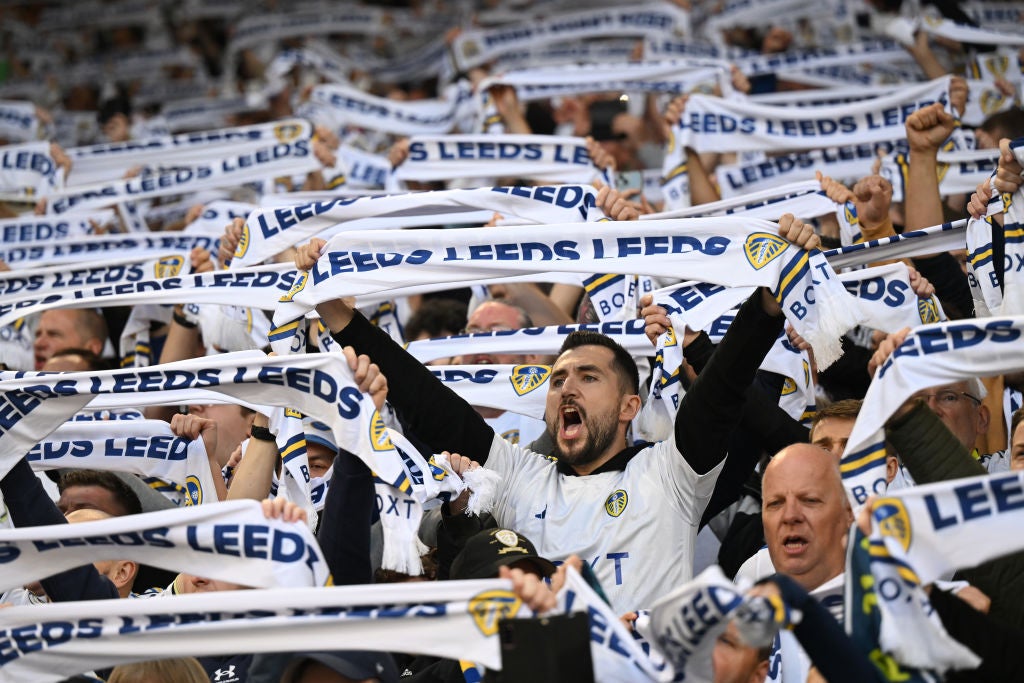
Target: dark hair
(122,493)
(1005,124)
(624,364)
(1015,420)
(111,107)
(436,317)
(847,409)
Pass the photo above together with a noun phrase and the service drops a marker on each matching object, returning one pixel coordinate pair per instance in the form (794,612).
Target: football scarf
(93,247)
(735,251)
(985,273)
(959,171)
(28,172)
(472,48)
(542,157)
(963,33)
(363,170)
(107,162)
(272,230)
(339,106)
(216,215)
(983,100)
(82,636)
(711,124)
(144,447)
(230,541)
(802,199)
(672,76)
(945,237)
(540,340)
(864,52)
(18,121)
(20,285)
(931,355)
(921,533)
(521,389)
(294,157)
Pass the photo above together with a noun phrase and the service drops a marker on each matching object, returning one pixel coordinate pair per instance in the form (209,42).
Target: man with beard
(631,511)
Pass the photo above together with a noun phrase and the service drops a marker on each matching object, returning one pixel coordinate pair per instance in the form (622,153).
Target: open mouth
(572,422)
(794,544)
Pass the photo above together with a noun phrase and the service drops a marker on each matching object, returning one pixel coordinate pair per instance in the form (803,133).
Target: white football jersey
(636,527)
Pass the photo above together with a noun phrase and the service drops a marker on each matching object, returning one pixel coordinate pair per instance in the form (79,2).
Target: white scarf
(270,27)
(866,52)
(291,157)
(261,286)
(946,28)
(473,48)
(338,106)
(270,231)
(107,162)
(1002,14)
(18,121)
(521,389)
(364,170)
(945,237)
(541,340)
(988,297)
(959,171)
(144,447)
(20,285)
(803,199)
(16,345)
(674,76)
(28,172)
(924,532)
(203,112)
(92,247)
(216,215)
(738,179)
(48,228)
(733,251)
(542,157)
(230,541)
(711,124)
(983,100)
(617,50)
(80,636)
(931,355)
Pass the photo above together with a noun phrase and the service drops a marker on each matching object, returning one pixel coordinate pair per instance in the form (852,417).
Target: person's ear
(630,406)
(984,416)
(125,573)
(759,674)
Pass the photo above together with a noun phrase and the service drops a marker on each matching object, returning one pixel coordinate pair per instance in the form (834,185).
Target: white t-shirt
(635,527)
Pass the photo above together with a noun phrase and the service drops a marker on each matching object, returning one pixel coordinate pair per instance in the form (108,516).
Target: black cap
(490,549)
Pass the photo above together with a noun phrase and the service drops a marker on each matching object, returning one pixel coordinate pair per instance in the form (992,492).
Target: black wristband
(261,433)
(183,321)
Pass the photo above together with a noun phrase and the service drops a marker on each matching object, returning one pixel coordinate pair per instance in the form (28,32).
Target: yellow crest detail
(296,287)
(438,473)
(243,242)
(168,266)
(671,339)
(287,132)
(380,440)
(291,412)
(807,374)
(762,248)
(941,170)
(893,520)
(788,387)
(928,309)
(193,491)
(991,101)
(998,65)
(1007,201)
(526,378)
(616,503)
(490,607)
(851,216)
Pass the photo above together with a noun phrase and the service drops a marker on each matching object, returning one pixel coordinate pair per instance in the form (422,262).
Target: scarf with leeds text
(93,247)
(731,251)
(147,448)
(541,157)
(272,230)
(931,355)
(924,532)
(18,121)
(998,288)
(27,229)
(82,636)
(711,124)
(472,48)
(230,541)
(803,199)
(28,172)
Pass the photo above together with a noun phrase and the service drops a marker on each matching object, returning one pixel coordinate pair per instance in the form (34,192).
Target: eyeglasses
(948,399)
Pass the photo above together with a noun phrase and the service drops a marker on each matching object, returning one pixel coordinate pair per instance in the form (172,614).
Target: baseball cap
(318,433)
(490,549)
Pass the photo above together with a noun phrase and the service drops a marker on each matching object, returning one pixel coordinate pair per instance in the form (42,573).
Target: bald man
(66,328)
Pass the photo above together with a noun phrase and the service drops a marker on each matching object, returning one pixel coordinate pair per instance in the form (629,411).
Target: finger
(350,357)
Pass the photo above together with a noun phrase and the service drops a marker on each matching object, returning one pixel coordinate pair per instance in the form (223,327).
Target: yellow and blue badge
(893,520)
(616,503)
(762,248)
(526,378)
(928,309)
(490,607)
(168,266)
(380,440)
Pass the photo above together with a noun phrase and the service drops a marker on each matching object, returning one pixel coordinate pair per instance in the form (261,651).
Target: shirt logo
(762,248)
(490,607)
(168,266)
(616,503)
(526,378)
(893,520)
(225,675)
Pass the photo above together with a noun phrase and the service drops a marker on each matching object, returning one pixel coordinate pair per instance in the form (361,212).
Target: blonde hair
(182,670)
